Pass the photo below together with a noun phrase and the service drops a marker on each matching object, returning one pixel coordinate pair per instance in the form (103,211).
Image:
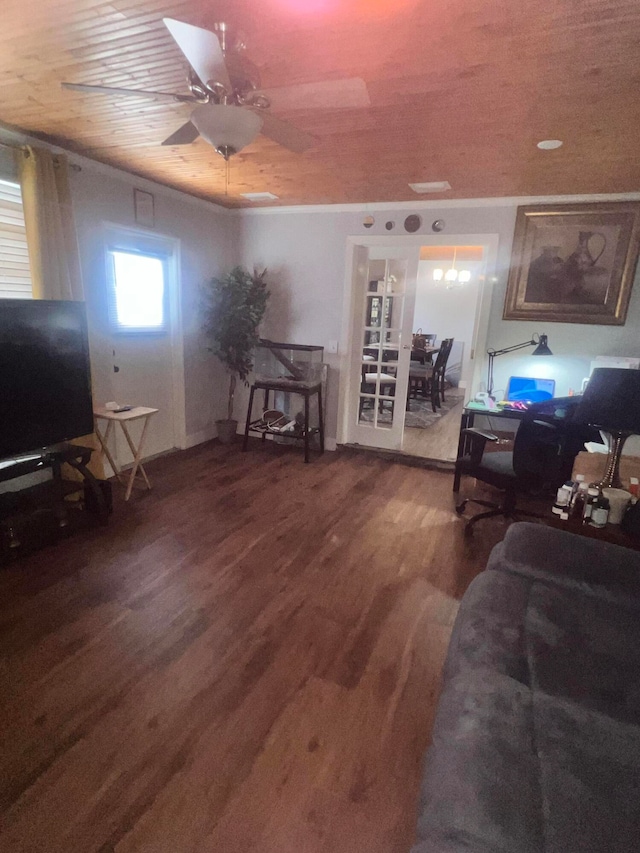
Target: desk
(123,418)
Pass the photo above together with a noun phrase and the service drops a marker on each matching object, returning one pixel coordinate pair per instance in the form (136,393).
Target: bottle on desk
(579,499)
(600,511)
(591,497)
(563,501)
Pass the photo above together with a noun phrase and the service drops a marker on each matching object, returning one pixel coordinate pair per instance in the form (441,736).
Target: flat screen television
(45,378)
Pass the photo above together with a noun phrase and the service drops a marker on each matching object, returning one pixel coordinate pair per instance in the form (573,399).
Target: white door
(384,288)
(140,277)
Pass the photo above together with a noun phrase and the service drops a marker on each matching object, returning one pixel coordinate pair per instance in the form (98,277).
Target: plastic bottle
(600,511)
(576,486)
(563,501)
(592,495)
(579,500)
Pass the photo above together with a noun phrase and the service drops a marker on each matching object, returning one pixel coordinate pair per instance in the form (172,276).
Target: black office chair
(545,447)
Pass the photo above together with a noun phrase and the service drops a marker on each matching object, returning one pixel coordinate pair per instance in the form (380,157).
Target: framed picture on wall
(143,206)
(573,263)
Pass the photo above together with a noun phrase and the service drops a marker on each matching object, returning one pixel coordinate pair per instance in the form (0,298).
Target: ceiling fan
(231,108)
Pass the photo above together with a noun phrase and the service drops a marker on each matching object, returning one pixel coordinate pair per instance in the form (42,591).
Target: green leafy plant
(233,308)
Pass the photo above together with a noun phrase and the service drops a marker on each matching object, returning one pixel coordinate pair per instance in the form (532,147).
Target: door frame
(176,339)
(489,242)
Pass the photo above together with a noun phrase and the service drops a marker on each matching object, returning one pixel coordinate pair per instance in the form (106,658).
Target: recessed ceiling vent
(431,187)
(259,196)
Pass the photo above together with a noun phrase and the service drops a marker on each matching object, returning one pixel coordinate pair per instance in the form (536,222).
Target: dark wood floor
(246,660)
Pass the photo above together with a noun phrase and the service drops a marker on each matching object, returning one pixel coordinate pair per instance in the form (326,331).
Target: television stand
(19,509)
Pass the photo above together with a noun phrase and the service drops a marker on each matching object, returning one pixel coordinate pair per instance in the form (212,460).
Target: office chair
(545,447)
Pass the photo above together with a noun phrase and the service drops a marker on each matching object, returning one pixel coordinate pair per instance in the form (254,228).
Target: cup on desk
(619,500)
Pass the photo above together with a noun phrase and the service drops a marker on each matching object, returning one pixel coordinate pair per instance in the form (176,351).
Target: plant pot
(227,431)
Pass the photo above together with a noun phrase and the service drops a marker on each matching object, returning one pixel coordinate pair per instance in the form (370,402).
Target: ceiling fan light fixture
(229,129)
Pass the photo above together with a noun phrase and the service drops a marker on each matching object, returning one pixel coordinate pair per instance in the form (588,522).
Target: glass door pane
(382,343)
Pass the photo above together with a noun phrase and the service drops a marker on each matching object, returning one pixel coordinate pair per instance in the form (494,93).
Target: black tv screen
(45,379)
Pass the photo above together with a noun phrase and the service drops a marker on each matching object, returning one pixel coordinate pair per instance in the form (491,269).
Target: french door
(384,288)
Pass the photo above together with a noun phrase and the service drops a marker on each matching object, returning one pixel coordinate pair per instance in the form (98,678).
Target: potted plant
(234,305)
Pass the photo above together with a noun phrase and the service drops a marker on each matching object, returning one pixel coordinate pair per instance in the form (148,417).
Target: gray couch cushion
(536,744)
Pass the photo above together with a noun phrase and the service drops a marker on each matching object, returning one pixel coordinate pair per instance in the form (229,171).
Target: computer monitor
(525,389)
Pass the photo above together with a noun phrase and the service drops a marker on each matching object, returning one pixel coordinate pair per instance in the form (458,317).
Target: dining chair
(441,378)
(428,379)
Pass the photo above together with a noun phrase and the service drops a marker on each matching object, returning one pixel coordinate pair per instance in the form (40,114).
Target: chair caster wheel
(461,508)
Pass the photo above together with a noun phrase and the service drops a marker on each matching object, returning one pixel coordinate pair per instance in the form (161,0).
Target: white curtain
(53,246)
(50,226)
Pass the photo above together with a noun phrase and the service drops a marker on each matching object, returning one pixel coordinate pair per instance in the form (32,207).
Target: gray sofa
(536,743)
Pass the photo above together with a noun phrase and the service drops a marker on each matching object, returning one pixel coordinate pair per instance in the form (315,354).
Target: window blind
(15,276)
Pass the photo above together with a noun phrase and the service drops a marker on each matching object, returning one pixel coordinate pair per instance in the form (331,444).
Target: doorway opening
(376,390)
(144,333)
(445,320)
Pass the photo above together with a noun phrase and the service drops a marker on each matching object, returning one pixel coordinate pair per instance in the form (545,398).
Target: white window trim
(144,239)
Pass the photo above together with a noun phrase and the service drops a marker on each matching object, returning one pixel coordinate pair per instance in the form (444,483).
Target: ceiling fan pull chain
(226,177)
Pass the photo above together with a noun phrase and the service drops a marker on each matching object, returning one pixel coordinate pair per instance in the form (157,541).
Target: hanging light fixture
(452,276)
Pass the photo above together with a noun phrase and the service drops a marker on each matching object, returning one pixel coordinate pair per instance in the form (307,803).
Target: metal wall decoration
(412,223)
(573,263)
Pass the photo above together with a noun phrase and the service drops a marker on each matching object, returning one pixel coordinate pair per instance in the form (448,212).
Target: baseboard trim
(200,437)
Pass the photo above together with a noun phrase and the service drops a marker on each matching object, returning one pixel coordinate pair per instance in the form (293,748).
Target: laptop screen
(527,390)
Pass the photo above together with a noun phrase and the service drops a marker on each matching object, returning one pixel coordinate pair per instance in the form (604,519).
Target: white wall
(207,247)
(449,312)
(573,345)
(305,254)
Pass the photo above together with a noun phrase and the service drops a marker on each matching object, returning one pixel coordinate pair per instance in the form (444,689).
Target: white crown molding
(439,204)
(13,136)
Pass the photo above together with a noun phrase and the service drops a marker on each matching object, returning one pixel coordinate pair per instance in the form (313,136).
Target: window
(137,291)
(15,276)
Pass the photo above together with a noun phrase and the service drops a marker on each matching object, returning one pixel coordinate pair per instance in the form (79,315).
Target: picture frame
(144,209)
(573,263)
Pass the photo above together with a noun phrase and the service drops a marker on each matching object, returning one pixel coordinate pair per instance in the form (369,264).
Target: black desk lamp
(611,402)
(537,341)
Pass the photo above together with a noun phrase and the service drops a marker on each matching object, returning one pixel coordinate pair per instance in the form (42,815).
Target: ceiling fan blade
(351,92)
(202,50)
(131,93)
(286,134)
(183,135)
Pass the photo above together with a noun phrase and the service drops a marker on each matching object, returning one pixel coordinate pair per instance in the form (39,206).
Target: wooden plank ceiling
(460,91)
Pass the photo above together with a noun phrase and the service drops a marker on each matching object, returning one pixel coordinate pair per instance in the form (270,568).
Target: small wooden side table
(123,418)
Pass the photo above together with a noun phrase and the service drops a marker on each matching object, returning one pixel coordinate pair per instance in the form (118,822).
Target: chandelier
(452,276)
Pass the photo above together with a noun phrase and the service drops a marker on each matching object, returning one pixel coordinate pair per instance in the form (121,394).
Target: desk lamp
(537,341)
(611,402)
